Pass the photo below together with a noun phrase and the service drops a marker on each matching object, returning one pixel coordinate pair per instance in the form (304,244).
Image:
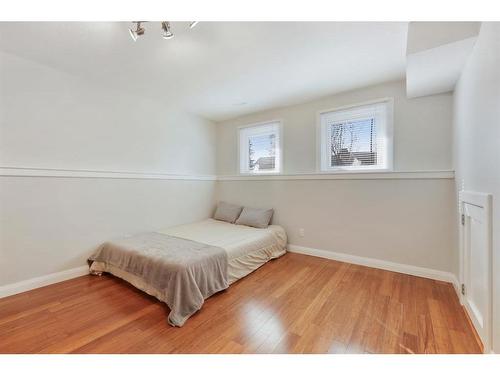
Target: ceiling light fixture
(139,30)
(167,33)
(165,27)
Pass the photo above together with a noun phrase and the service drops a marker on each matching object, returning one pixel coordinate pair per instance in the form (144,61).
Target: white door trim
(484,201)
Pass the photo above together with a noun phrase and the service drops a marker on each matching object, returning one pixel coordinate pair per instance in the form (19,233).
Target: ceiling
(219,70)
(436,55)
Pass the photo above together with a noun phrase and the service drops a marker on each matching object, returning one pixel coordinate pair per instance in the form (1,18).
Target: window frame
(386,132)
(279,149)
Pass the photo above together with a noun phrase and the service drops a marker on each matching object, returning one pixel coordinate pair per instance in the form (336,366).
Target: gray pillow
(227,212)
(255,217)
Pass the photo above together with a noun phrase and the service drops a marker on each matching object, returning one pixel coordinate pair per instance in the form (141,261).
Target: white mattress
(247,248)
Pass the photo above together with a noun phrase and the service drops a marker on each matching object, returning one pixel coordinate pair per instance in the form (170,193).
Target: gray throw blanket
(184,272)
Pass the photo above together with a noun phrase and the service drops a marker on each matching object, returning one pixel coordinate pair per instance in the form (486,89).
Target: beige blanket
(185,272)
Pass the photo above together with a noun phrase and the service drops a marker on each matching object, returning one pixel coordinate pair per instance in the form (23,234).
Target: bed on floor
(184,265)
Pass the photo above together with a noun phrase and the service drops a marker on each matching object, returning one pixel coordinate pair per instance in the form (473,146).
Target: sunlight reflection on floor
(262,325)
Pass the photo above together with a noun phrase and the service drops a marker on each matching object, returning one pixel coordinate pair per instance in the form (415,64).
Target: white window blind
(357,138)
(260,148)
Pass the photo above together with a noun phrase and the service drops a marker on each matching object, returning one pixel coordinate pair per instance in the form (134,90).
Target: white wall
(49,225)
(422,129)
(409,221)
(477,138)
(50,119)
(402,221)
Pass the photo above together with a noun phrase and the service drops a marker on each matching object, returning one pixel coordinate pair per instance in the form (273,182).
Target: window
(357,138)
(260,148)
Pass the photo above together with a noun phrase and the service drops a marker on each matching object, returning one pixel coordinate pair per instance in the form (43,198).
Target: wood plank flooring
(295,304)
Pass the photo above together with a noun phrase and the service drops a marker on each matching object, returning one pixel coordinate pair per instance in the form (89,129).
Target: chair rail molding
(88,173)
(393,175)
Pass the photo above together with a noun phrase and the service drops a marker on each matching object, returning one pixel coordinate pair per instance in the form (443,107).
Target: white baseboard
(37,282)
(377,263)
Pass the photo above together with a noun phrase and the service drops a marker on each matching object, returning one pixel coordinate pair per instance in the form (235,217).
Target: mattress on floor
(247,248)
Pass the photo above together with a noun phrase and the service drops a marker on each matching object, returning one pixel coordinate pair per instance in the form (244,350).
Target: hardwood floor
(295,304)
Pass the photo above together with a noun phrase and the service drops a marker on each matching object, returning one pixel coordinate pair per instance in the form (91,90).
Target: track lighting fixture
(139,30)
(165,27)
(167,33)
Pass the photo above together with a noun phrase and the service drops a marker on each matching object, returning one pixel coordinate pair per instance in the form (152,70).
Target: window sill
(354,171)
(260,174)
